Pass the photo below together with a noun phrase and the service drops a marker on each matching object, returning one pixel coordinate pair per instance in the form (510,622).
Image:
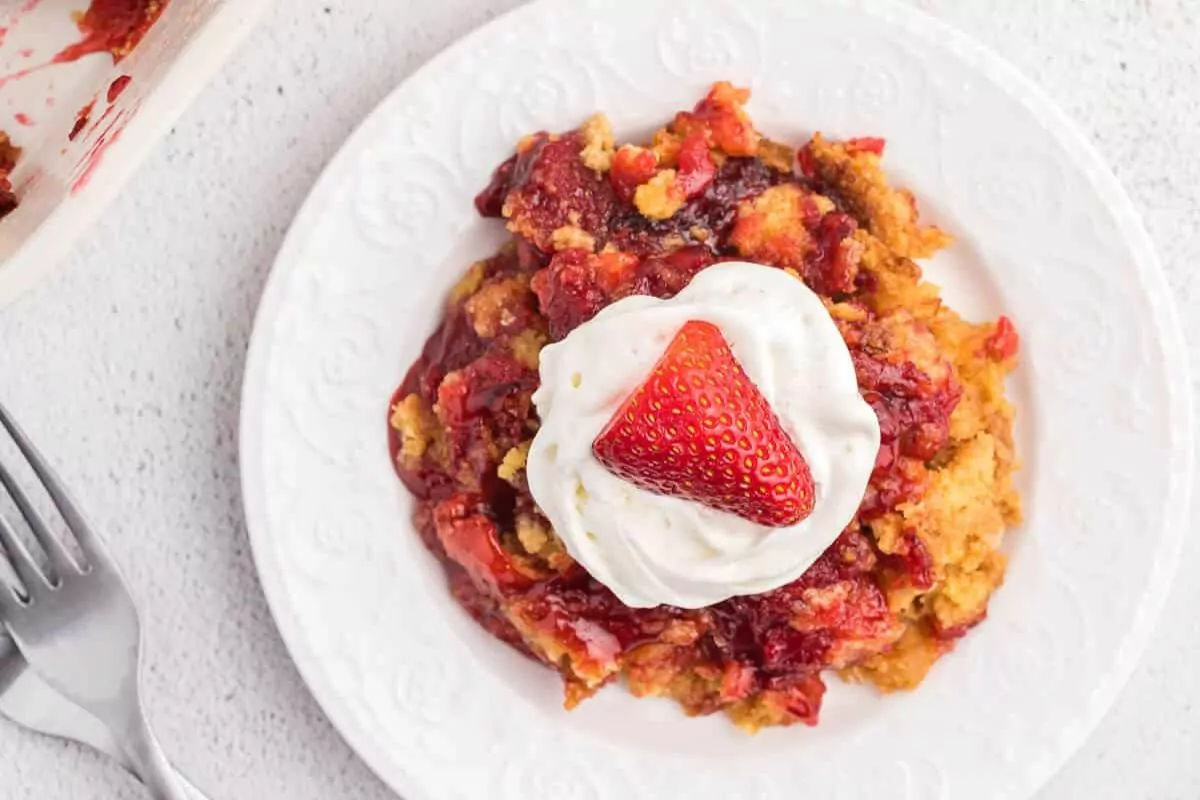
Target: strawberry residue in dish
(81,120)
(16,17)
(97,151)
(116,87)
(113,26)
(110,125)
(9,153)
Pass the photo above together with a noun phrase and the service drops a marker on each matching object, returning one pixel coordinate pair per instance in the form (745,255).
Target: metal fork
(26,700)
(77,625)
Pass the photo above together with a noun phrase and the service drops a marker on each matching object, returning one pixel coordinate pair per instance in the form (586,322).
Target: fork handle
(150,763)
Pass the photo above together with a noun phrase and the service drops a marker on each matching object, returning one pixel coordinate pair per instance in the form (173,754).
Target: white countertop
(126,364)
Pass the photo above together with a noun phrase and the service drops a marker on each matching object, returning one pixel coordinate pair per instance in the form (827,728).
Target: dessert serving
(701,427)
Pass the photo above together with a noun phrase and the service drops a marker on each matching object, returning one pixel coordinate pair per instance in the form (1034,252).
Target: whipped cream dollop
(651,549)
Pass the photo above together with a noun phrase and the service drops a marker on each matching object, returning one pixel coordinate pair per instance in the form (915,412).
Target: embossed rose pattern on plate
(437,708)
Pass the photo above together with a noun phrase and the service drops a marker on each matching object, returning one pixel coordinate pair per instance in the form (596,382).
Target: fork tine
(60,560)
(12,603)
(19,557)
(93,550)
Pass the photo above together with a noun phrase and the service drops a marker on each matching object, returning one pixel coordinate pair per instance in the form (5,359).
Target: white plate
(439,709)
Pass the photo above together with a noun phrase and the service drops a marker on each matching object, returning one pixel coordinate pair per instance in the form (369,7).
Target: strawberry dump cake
(700,427)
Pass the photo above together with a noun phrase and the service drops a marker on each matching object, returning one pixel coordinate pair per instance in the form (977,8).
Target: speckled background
(126,366)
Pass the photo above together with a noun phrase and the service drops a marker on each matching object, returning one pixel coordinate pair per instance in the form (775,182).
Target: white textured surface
(126,366)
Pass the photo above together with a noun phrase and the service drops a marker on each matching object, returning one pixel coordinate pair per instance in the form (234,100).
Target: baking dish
(84,124)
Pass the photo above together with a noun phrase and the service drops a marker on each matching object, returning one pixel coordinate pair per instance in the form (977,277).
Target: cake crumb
(660,197)
(598,143)
(416,426)
(468,284)
(514,463)
(570,237)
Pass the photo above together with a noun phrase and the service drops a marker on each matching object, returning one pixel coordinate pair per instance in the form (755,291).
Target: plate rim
(1016,84)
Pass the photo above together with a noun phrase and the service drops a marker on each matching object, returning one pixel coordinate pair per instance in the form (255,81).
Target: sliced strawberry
(696,167)
(698,428)
(805,160)
(631,167)
(865,144)
(721,116)
(1004,342)
(471,540)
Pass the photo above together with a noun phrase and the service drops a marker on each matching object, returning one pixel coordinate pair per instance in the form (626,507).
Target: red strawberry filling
(698,428)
